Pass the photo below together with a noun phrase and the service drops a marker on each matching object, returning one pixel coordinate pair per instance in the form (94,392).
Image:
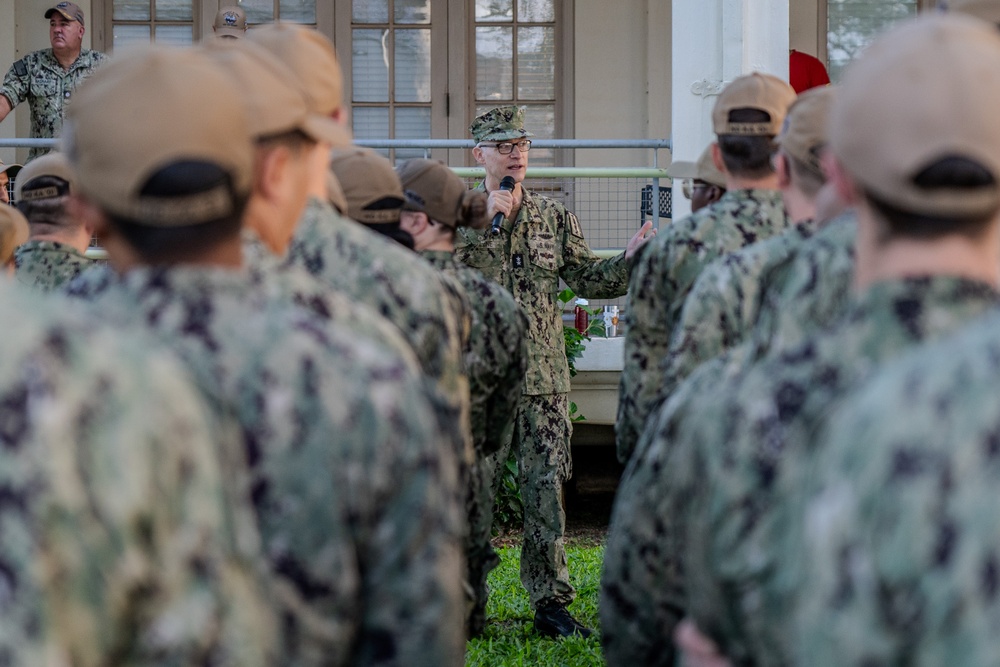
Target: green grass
(510,640)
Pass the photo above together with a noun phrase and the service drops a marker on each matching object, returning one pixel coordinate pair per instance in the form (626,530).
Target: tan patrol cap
(806,129)
(69,10)
(311,59)
(51,164)
(431,187)
(987,10)
(145,110)
(703,170)
(230,22)
(274,105)
(372,189)
(756,90)
(13,231)
(10,169)
(335,193)
(926,90)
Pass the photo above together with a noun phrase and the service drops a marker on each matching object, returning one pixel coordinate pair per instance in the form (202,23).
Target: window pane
(413,65)
(536,10)
(536,63)
(258,11)
(371,123)
(173,10)
(854,23)
(175,35)
(412,124)
(298,11)
(370,66)
(131,10)
(494,10)
(541,119)
(370,11)
(494,63)
(413,11)
(129,34)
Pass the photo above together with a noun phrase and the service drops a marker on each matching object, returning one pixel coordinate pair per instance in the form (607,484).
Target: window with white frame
(516,62)
(392,72)
(162,21)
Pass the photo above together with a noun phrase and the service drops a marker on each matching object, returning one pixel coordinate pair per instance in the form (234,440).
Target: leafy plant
(508,511)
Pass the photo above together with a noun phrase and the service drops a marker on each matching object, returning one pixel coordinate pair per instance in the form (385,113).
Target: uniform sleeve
(586,274)
(647,340)
(502,408)
(408,537)
(15,83)
(642,597)
(708,325)
(136,558)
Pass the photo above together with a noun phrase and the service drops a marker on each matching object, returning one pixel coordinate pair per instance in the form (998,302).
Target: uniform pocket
(542,252)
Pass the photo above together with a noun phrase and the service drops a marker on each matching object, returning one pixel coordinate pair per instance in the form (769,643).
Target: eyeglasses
(688,187)
(507,147)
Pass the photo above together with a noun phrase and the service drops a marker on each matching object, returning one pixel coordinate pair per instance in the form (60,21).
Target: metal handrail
(428,143)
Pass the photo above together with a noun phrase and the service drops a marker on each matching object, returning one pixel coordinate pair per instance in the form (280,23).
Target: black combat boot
(552,620)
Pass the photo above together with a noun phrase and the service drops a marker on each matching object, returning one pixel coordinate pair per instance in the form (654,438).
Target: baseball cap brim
(230,31)
(65,15)
(683,169)
(506,135)
(327,130)
(10,169)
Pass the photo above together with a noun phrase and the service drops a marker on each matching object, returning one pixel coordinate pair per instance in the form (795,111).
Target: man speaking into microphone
(539,242)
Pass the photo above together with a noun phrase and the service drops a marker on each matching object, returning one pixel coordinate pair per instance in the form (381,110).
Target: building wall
(806,27)
(622,76)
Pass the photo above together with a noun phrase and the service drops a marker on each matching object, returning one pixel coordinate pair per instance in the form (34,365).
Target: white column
(715,41)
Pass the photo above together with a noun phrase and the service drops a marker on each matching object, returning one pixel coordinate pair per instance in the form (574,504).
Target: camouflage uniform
(39,78)
(425,305)
(807,292)
(545,243)
(495,362)
(46,265)
(728,468)
(900,549)
(722,307)
(666,270)
(355,497)
(117,547)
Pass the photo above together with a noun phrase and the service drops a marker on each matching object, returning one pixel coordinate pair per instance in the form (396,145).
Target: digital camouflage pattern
(722,307)
(663,276)
(429,308)
(39,78)
(117,545)
(355,498)
(809,290)
(900,538)
(495,363)
(543,244)
(728,469)
(47,265)
(500,124)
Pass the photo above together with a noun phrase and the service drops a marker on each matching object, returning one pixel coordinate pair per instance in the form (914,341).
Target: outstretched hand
(641,238)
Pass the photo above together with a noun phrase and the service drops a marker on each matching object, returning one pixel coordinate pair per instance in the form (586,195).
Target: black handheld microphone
(506,184)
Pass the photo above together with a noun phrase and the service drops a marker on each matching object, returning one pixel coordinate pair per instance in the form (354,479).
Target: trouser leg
(542,435)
